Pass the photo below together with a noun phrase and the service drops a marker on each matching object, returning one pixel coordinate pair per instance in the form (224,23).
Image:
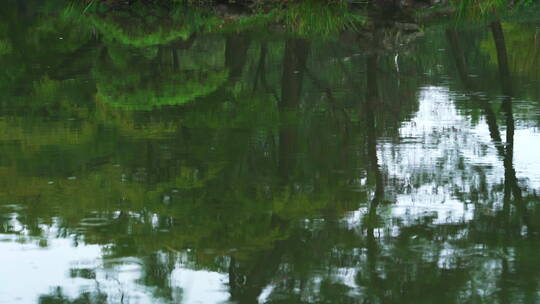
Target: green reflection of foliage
(211,177)
(64,32)
(136,82)
(57,296)
(523,49)
(148,26)
(5,47)
(148,93)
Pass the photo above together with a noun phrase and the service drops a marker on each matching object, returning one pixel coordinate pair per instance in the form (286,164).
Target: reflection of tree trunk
(77,63)
(336,104)
(372,98)
(235,279)
(504,282)
(372,251)
(294,62)
(261,273)
(370,105)
(459,56)
(461,65)
(510,184)
(504,76)
(502,57)
(236,47)
(175,61)
(180,45)
(260,74)
(248,281)
(23,7)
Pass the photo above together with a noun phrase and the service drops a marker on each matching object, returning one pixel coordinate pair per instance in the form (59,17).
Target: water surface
(141,165)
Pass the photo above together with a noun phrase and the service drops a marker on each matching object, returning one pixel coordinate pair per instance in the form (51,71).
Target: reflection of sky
(440,152)
(527,156)
(431,146)
(29,271)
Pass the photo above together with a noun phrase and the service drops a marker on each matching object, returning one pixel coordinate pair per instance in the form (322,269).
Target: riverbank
(316,16)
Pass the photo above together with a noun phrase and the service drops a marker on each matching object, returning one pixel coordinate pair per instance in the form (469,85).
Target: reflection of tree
(294,61)
(372,98)
(157,269)
(508,222)
(34,39)
(370,105)
(236,47)
(135,83)
(461,65)
(252,187)
(235,175)
(248,281)
(511,185)
(204,199)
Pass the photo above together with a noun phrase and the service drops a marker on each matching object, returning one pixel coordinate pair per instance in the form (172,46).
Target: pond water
(161,162)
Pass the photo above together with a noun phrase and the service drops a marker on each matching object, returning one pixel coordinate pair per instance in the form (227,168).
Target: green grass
(312,17)
(477,9)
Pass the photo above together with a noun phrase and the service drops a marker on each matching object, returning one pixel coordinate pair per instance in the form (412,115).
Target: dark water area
(169,162)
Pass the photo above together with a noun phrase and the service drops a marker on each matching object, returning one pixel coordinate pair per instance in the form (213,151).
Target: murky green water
(251,165)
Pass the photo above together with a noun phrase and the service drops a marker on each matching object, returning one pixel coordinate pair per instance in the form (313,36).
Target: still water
(148,164)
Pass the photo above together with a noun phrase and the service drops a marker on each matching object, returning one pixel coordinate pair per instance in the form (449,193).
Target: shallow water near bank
(176,163)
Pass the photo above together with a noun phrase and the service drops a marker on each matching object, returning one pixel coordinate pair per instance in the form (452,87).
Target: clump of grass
(479,8)
(312,17)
